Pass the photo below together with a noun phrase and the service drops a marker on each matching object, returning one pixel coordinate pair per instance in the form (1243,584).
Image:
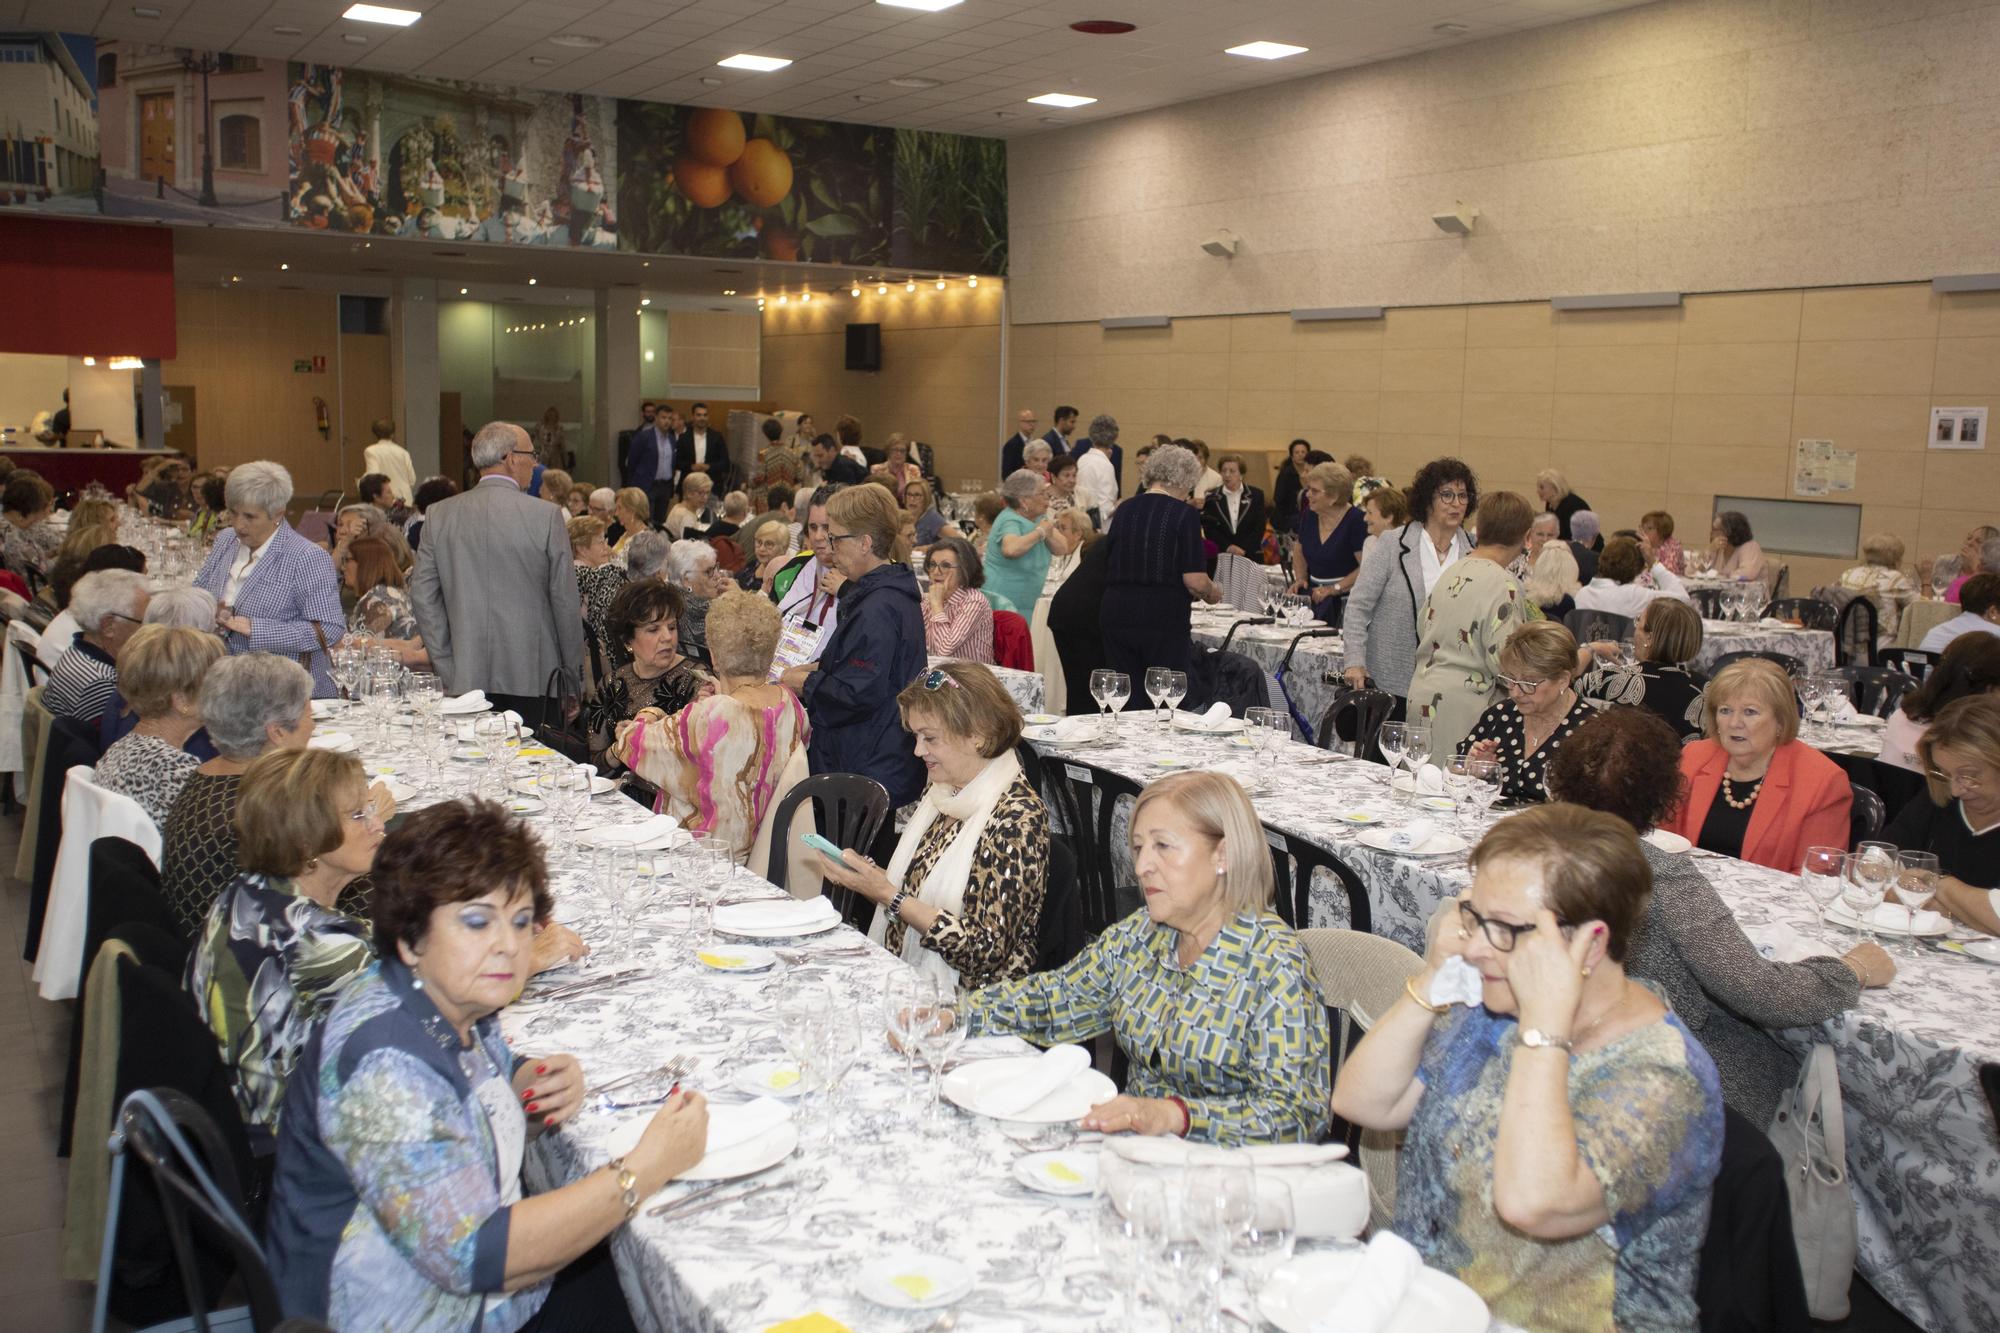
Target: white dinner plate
(747,1158)
(524,805)
(1437,803)
(1067,1172)
(1358,818)
(1042,719)
(1890,922)
(1671,843)
(1986,951)
(401,792)
(1862,722)
(534,786)
(913,1281)
(337,741)
(741,920)
(456,708)
(1225,726)
(735,958)
(1298,1296)
(1438,844)
(771,1078)
(328,707)
(965,1086)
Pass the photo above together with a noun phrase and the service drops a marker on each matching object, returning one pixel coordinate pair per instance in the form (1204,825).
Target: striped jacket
(291,589)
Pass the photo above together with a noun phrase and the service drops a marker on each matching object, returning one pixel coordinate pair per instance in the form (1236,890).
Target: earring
(416,980)
(1586,969)
(312,864)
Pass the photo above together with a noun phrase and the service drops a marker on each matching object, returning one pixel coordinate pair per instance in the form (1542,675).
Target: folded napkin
(779,914)
(631,835)
(1082,727)
(472,701)
(1411,836)
(1457,982)
(1038,1078)
(1430,780)
(1888,916)
(1376,1292)
(730,1127)
(1215,712)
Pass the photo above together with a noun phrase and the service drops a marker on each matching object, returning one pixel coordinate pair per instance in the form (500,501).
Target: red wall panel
(86,288)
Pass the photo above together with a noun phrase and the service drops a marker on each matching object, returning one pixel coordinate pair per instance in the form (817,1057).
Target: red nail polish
(529,1093)
(534,1106)
(541,1069)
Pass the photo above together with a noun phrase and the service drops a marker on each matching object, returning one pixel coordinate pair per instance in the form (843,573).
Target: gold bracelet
(1410,989)
(628,1186)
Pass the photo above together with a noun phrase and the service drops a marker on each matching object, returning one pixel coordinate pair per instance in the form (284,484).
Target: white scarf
(944,888)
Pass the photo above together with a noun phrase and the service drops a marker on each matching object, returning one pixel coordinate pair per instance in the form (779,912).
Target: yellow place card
(914,1285)
(810,1323)
(721,959)
(535,752)
(781,1079)
(1057,1171)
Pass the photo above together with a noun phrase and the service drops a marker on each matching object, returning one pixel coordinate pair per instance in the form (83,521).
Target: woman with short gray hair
(1036,457)
(1155,565)
(250,704)
(691,568)
(275,591)
(646,554)
(1020,543)
(107,606)
(193,608)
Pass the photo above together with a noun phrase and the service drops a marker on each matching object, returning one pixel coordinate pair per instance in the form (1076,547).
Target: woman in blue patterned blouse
(1563,1133)
(399,1201)
(1205,989)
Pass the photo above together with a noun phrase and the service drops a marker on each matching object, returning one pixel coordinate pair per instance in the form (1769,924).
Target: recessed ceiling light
(928,6)
(729,291)
(540,60)
(645,300)
(145,12)
(461,291)
(580,41)
(762,64)
(287,30)
(911,80)
(1265,50)
(910,286)
(354,38)
(399,18)
(1061,99)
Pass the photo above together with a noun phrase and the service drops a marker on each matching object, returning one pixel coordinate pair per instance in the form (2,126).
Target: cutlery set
(575,988)
(672,1071)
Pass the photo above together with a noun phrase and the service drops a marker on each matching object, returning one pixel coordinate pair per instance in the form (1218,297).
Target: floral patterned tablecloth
(1814,647)
(1314,677)
(1922,1149)
(1024,686)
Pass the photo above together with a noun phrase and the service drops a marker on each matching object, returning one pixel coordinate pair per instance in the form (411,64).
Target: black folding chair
(1875,690)
(1293,861)
(1253,620)
(1854,632)
(1782,585)
(1911,661)
(1593,626)
(1061,934)
(1808,611)
(1089,798)
(1708,601)
(1793,666)
(1865,820)
(1363,712)
(1989,1080)
(848,810)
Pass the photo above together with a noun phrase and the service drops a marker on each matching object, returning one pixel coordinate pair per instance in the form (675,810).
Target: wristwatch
(1536,1039)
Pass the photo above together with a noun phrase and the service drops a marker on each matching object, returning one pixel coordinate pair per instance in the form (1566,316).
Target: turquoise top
(1018,579)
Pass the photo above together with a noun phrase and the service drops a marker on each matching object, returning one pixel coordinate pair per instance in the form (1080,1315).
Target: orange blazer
(1804,802)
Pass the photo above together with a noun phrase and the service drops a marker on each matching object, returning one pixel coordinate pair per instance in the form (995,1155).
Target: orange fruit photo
(705,185)
(715,135)
(763,174)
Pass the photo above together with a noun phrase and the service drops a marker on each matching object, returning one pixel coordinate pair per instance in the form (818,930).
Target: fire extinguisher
(320,419)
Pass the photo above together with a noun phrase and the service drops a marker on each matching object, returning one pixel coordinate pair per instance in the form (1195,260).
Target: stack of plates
(777,918)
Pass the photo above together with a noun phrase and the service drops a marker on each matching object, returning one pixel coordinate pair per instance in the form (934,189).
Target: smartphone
(819,844)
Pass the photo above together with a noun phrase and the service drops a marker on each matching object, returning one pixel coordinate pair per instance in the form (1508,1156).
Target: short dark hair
(1625,762)
(1065,411)
(774,430)
(824,493)
(1735,527)
(640,601)
(645,403)
(972,570)
(1435,474)
(778,496)
(849,430)
(699,407)
(451,852)
(26,493)
(1980,593)
(372,486)
(214,493)
(1970,665)
(1622,560)
(115,556)
(433,490)
(1067,463)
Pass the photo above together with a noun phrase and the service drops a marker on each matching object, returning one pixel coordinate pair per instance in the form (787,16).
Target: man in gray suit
(495,585)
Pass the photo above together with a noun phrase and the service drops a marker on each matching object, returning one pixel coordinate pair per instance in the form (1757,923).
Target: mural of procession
(386,155)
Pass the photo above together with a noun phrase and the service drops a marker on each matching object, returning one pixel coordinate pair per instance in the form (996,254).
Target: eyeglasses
(937,567)
(1502,935)
(843,536)
(522,453)
(1516,683)
(1456,495)
(1963,780)
(937,678)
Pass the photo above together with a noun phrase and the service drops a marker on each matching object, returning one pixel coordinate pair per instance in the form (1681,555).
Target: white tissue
(1457,982)
(1430,780)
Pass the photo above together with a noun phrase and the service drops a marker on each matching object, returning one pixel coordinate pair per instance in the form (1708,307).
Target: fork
(678,1067)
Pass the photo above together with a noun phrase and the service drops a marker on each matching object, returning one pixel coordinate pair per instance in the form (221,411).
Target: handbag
(1810,1132)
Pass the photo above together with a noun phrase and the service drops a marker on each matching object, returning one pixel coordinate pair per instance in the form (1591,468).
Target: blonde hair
(556,485)
(635,503)
(1971,724)
(287,813)
(89,513)
(1334,479)
(871,512)
(742,632)
(1673,629)
(1762,682)
(1554,574)
(1543,649)
(1885,549)
(1221,812)
(1555,479)
(161,661)
(80,541)
(583,530)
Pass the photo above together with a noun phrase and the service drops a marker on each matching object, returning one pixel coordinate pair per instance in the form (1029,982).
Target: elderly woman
(691,566)
(930,521)
(643,626)
(1022,539)
(897,471)
(1969,666)
(715,760)
(276,592)
(28,541)
(1958,818)
(212,512)
(1587,531)
(1880,578)
(250,704)
(1524,729)
(1154,566)
(1558,499)
(108,606)
(1036,458)
(1331,532)
(769,554)
(399,1198)
(1666,636)
(160,674)
(1470,617)
(1617,588)
(1568,1105)
(987,507)
(1383,509)
(596,577)
(1097,470)
(1656,530)
(1206,991)
(1755,790)
(1062,485)
(957,620)
(1233,516)
(875,649)
(962,897)
(193,608)
(1625,762)
(1288,489)
(558,488)
(693,514)
(1735,552)
(1381,627)
(646,555)
(1978,554)
(1552,580)
(632,513)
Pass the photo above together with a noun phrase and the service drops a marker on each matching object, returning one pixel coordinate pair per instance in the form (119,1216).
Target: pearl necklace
(1729,793)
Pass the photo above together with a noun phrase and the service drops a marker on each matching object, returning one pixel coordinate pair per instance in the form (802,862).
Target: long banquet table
(1921,1142)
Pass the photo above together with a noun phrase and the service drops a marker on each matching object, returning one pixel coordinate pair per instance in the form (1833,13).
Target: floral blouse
(1524,776)
(994,935)
(717,762)
(1648,1116)
(148,770)
(1674,692)
(383,612)
(1473,608)
(1240,1036)
(1891,590)
(624,692)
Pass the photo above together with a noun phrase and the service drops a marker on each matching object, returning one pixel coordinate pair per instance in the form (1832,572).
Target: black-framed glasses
(1502,935)
(522,453)
(935,567)
(120,615)
(1454,496)
(843,536)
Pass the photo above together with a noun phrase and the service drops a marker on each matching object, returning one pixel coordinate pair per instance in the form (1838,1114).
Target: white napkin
(1049,1071)
(1457,982)
(1430,780)
(1779,943)
(1215,712)
(631,835)
(780,913)
(1082,727)
(472,701)
(729,1127)
(1889,916)
(1772,622)
(1411,836)
(1376,1293)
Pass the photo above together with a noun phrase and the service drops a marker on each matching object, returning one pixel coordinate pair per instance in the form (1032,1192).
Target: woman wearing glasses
(1959,817)
(957,620)
(1567,1105)
(1397,574)
(1473,609)
(1525,728)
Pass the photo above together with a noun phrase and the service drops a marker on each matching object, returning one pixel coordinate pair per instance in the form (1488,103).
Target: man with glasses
(1011,449)
(495,589)
(108,606)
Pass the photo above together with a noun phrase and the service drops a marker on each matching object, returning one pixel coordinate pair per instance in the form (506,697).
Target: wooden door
(156,135)
(367,391)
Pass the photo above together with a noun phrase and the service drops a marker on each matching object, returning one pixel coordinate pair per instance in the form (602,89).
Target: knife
(682,1214)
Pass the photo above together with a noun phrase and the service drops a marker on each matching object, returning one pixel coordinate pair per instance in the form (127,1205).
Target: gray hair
(646,554)
(603,498)
(1035,449)
(1989,555)
(495,440)
(104,593)
(1020,485)
(1104,429)
(1584,527)
(685,559)
(735,505)
(263,486)
(372,513)
(1171,467)
(1547,518)
(190,607)
(242,695)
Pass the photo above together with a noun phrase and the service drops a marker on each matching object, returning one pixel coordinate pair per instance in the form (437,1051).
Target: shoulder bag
(1810,1132)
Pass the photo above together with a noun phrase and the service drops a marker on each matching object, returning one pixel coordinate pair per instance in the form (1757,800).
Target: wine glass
(834,1052)
(1157,679)
(939,1036)
(1130,1216)
(1218,1200)
(1488,777)
(1417,752)
(1100,690)
(1916,885)
(1864,881)
(1119,691)
(1820,875)
(907,994)
(1394,740)
(1177,688)
(1265,1243)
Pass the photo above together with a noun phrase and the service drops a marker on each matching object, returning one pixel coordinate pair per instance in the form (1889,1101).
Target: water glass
(1264,1244)
(908,997)
(1130,1217)
(1101,690)
(1394,741)
(1864,881)
(1119,690)
(1916,885)
(1157,679)
(1177,688)
(939,1035)
(1820,877)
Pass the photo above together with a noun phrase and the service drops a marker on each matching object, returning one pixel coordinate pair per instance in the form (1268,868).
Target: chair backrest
(1012,644)
(1242,581)
(66,744)
(1866,818)
(1792,665)
(1911,661)
(848,810)
(88,812)
(1748,1275)
(1087,801)
(1293,861)
(802,879)
(728,554)
(1592,626)
(1989,1081)
(1359,977)
(25,647)
(1810,612)
(1875,690)
(1353,721)
(1061,934)
(1782,585)
(1708,601)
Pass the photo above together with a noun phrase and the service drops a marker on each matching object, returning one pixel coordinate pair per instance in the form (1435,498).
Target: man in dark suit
(650,463)
(834,467)
(1233,516)
(1011,449)
(1059,434)
(699,449)
(625,440)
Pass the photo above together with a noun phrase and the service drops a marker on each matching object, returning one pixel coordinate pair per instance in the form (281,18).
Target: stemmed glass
(488,733)
(568,795)
(1394,740)
(1117,693)
(1177,688)
(939,1035)
(1417,753)
(1101,690)
(834,1052)
(1131,1216)
(1277,732)
(1265,1243)
(1916,885)
(1487,776)
(1218,1200)
(908,997)
(1820,877)
(1865,877)
(1157,684)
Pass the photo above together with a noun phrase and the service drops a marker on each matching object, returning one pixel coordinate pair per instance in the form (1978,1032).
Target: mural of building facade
(48,118)
(191,133)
